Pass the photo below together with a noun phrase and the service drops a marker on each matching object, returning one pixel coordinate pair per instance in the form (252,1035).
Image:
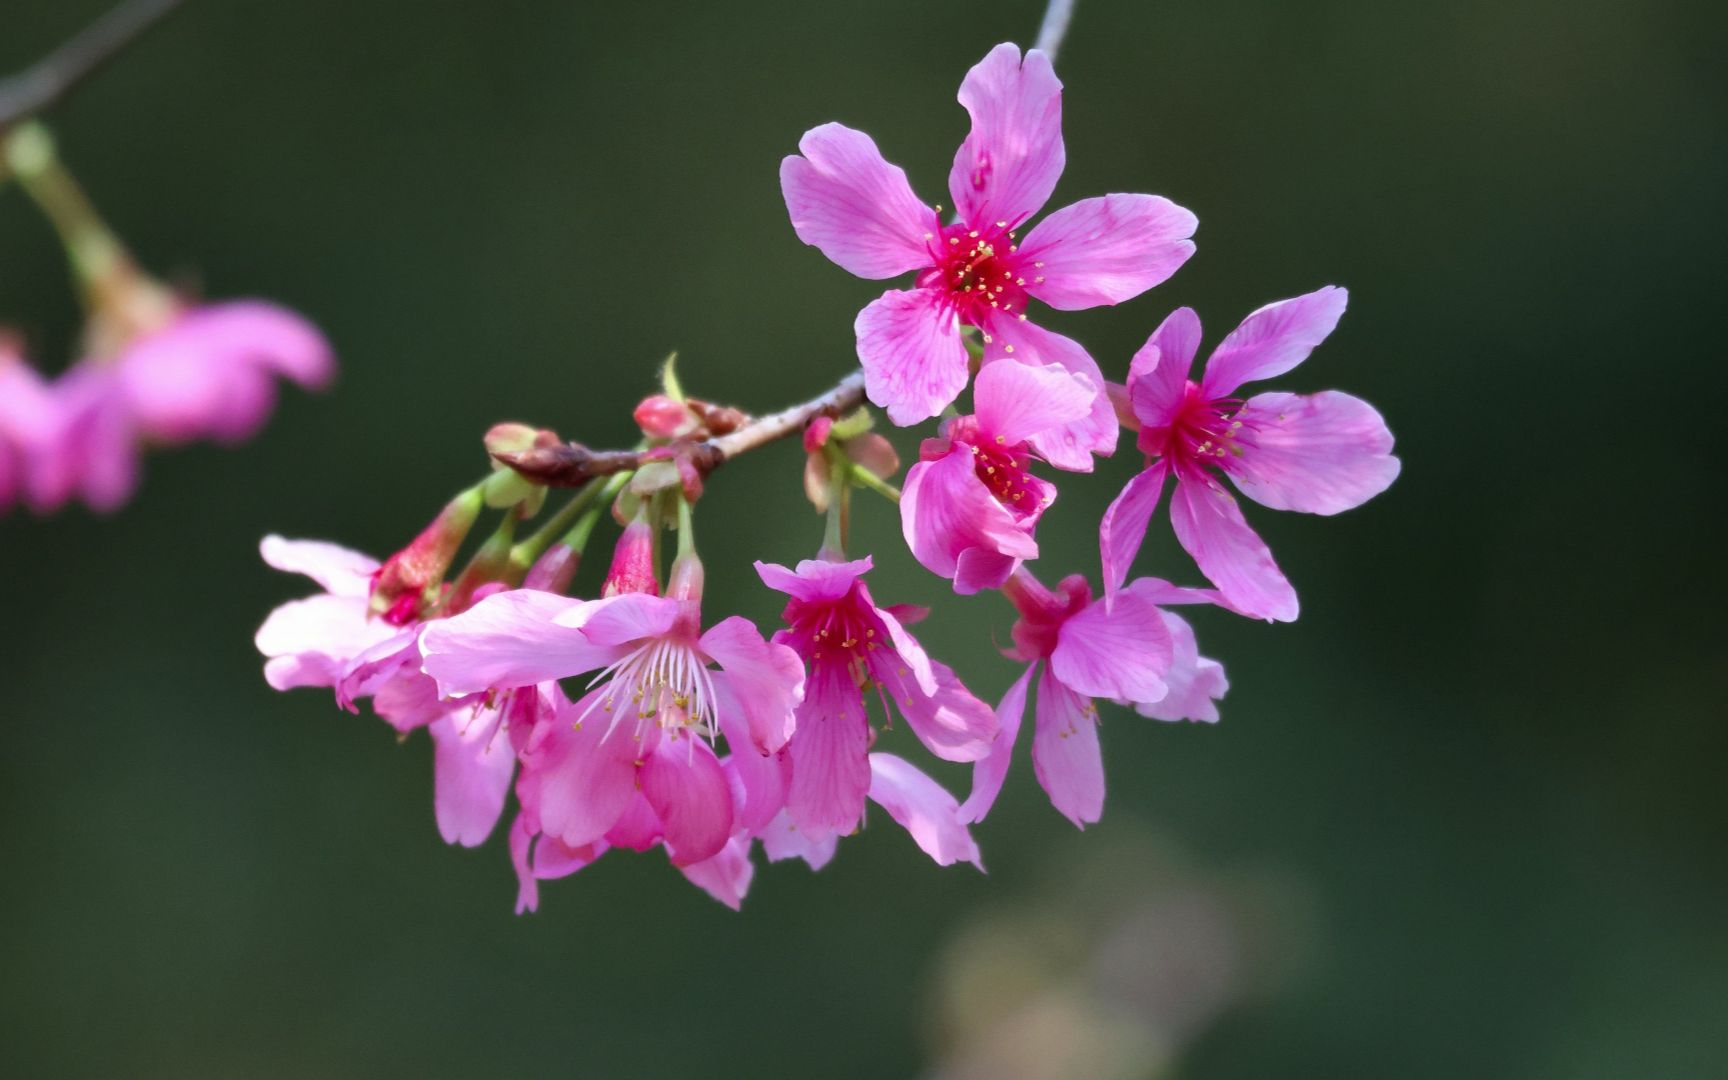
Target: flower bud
(661,417)
(633,561)
(408,581)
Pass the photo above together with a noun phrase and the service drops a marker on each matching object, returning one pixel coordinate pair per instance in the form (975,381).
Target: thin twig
(1055,27)
(573,464)
(48,80)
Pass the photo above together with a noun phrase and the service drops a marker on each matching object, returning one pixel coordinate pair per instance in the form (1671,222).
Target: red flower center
(980,271)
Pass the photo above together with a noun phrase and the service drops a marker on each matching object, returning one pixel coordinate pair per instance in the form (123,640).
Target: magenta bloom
(1317,453)
(849,642)
(632,763)
(330,640)
(28,415)
(209,373)
(1127,653)
(845,199)
(970,505)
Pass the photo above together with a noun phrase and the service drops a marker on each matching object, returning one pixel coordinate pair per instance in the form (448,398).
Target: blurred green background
(1465,818)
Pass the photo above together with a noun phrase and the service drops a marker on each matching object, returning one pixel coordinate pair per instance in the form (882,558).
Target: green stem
(834,534)
(686,530)
(96,254)
(573,523)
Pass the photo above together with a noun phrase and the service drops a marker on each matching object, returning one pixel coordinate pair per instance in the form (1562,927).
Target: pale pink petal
(830,773)
(856,208)
(1273,340)
(508,639)
(575,782)
(1196,682)
(337,569)
(1159,371)
(767,679)
(1065,753)
(688,789)
(622,619)
(406,699)
(1016,402)
(1123,528)
(1069,446)
(923,809)
(990,771)
(1106,250)
(782,839)
(1317,453)
(725,876)
(815,579)
(1210,527)
(1011,160)
(759,782)
(914,361)
(322,633)
(906,648)
(945,509)
(1119,651)
(472,767)
(951,723)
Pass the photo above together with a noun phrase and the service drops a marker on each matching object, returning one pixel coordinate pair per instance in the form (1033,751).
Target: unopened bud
(554,570)
(816,434)
(687,574)
(409,578)
(632,568)
(661,417)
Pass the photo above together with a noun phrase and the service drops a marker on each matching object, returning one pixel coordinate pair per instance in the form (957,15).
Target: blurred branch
(48,80)
(1054,27)
(572,464)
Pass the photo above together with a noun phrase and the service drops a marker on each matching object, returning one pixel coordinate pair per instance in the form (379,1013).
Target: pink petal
(337,569)
(1159,371)
(766,679)
(915,364)
(1106,250)
(906,648)
(537,858)
(334,628)
(622,619)
(760,783)
(1210,527)
(980,570)
(923,809)
(951,723)
(472,767)
(945,509)
(95,452)
(1273,340)
(725,876)
(815,579)
(637,828)
(262,334)
(1195,681)
(990,771)
(1065,753)
(1016,402)
(782,839)
(1123,528)
(688,789)
(855,207)
(1120,651)
(1317,453)
(508,639)
(1011,160)
(830,773)
(575,783)
(1069,446)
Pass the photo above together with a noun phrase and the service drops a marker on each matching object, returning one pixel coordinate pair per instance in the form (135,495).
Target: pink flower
(1127,653)
(860,211)
(1317,453)
(330,639)
(632,763)
(207,372)
(970,505)
(849,643)
(28,414)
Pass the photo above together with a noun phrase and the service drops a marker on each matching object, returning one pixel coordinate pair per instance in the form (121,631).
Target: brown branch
(572,464)
(48,80)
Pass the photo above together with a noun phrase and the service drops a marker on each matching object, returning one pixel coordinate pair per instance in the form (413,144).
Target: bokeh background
(1464,818)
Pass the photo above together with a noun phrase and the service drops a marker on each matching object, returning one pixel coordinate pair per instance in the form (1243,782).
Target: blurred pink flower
(849,642)
(1126,653)
(1317,453)
(970,504)
(28,416)
(859,210)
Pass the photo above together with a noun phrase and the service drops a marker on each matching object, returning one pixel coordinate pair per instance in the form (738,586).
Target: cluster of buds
(623,719)
(155,369)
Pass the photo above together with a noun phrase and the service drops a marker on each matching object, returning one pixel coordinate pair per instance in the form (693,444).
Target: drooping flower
(851,643)
(1318,453)
(171,373)
(27,416)
(971,503)
(978,271)
(632,763)
(1079,650)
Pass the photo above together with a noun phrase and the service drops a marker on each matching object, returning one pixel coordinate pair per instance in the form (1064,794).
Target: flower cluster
(623,718)
(156,370)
